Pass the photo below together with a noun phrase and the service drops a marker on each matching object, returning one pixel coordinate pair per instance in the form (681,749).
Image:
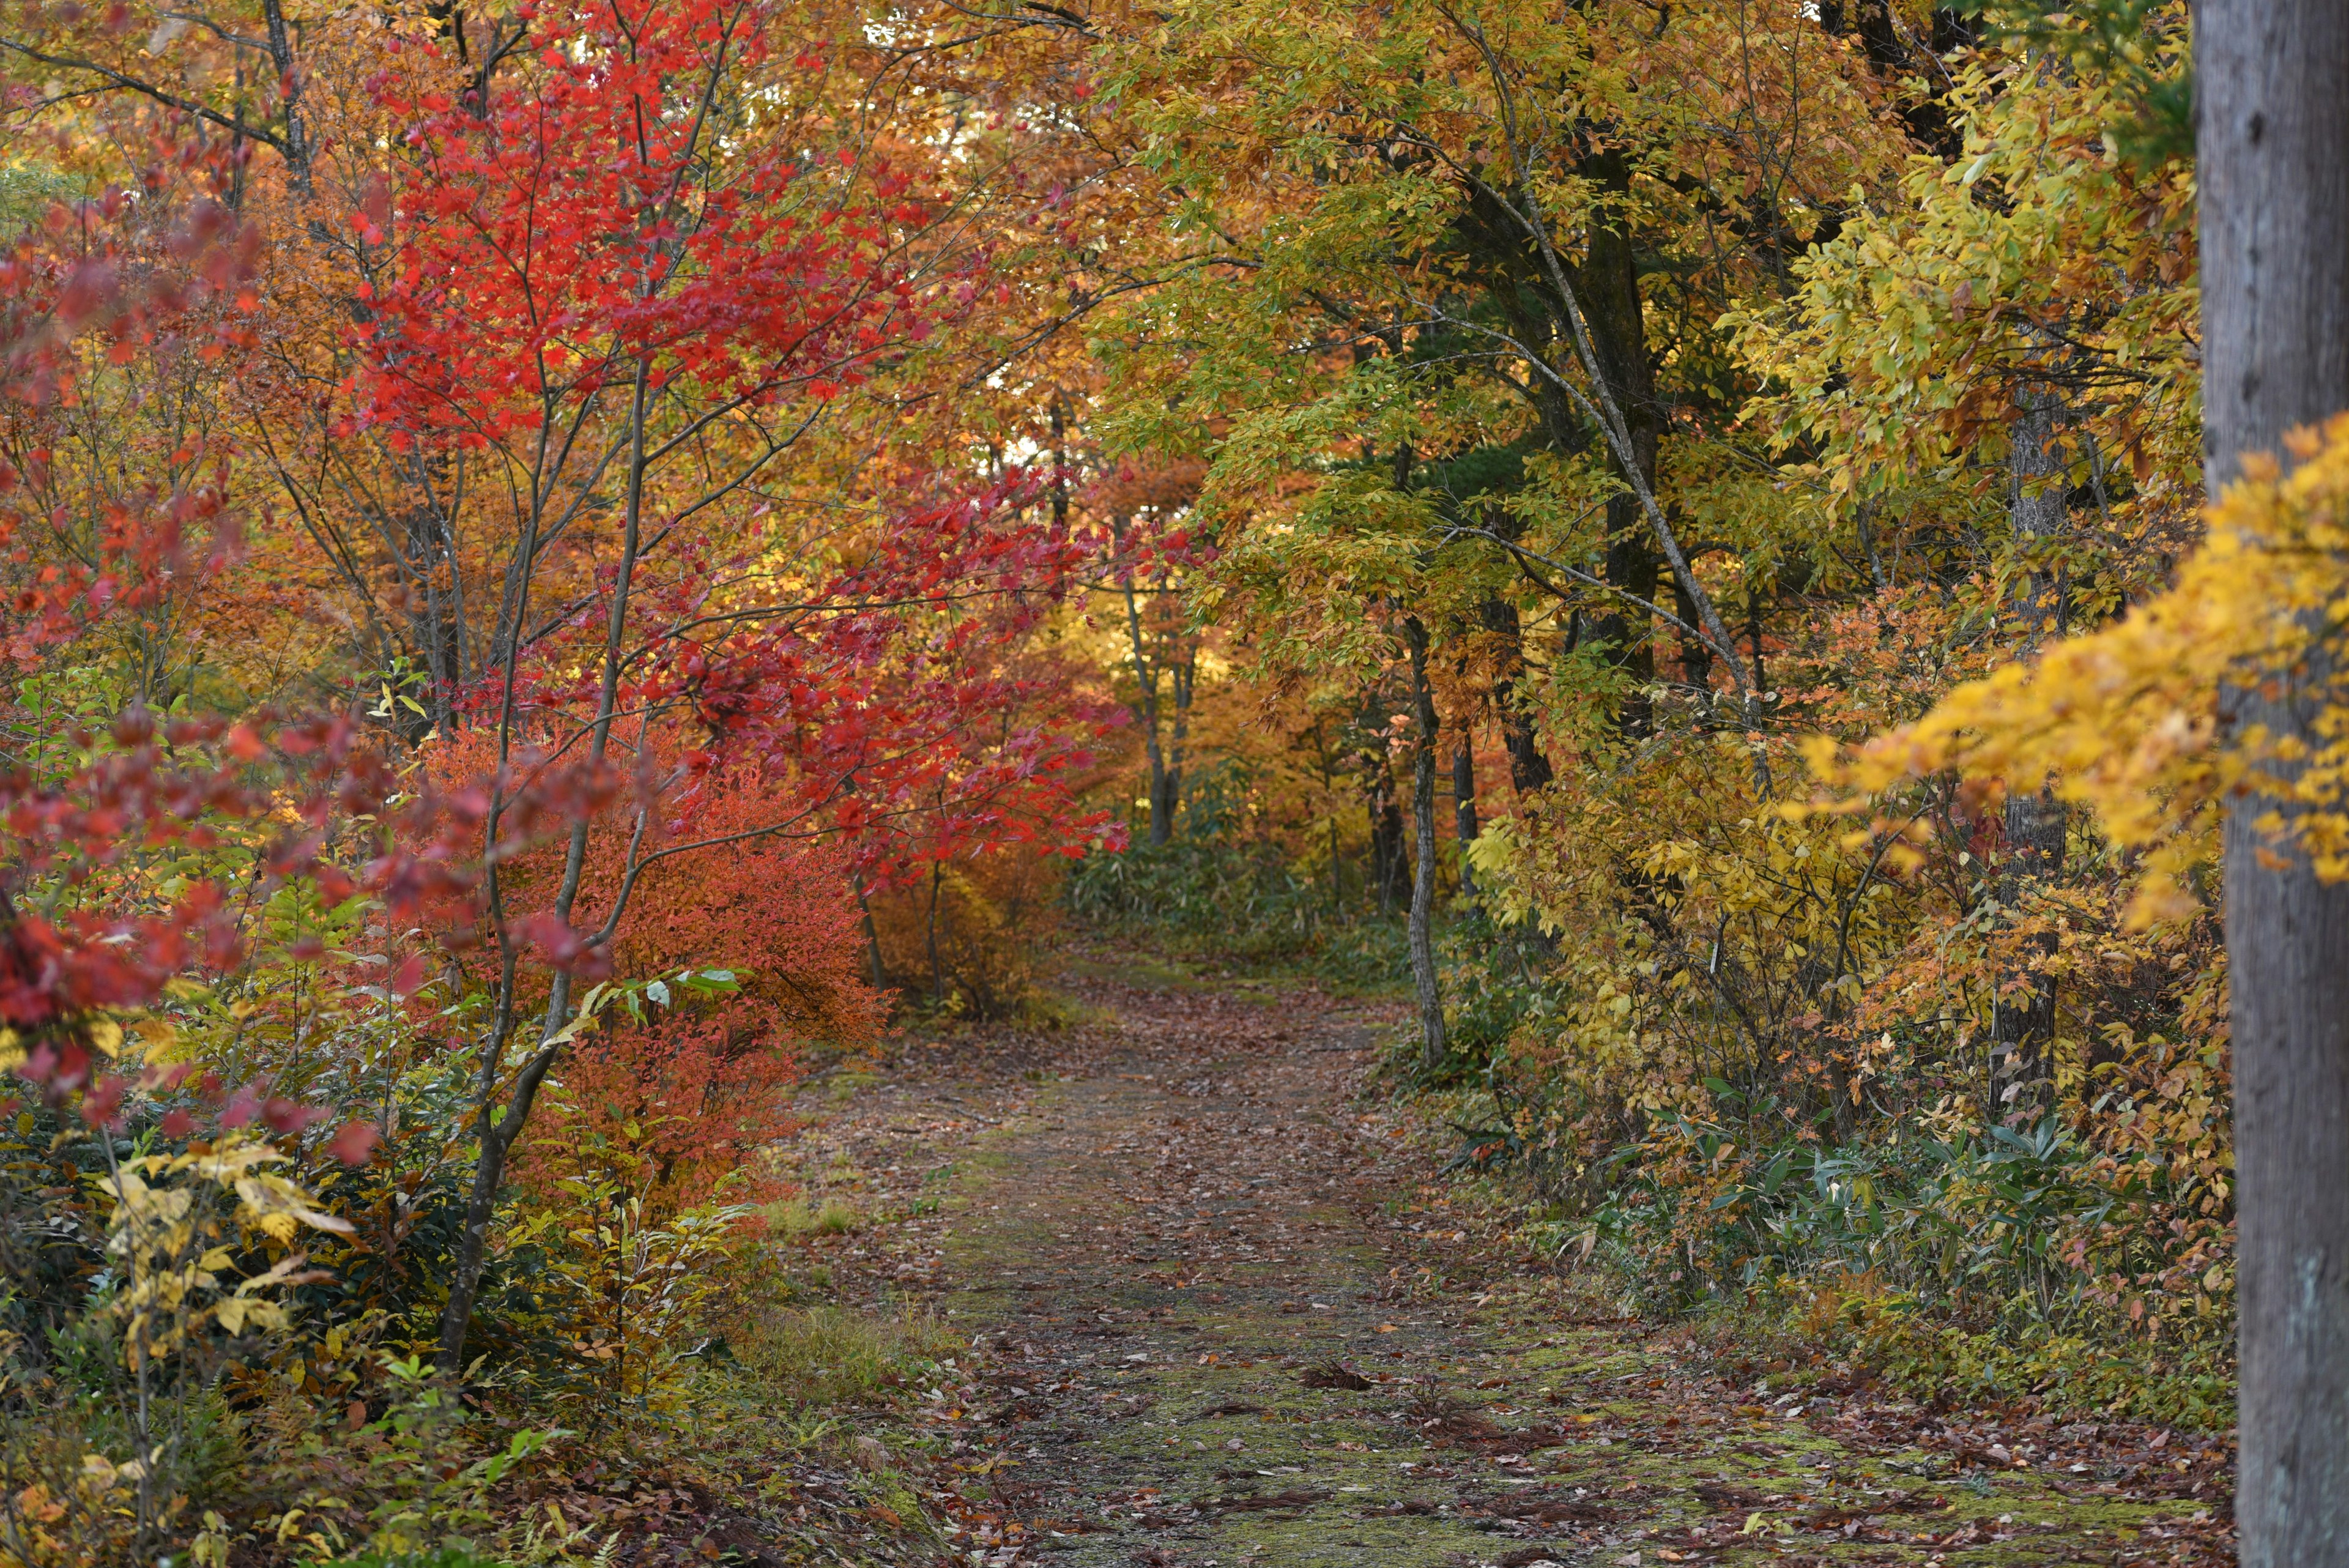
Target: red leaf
(408,977)
(355,1142)
(290,1115)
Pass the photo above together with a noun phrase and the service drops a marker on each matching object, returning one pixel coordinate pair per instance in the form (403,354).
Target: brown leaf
(1334,1374)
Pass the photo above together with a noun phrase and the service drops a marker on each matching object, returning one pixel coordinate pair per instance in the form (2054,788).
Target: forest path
(1222,1314)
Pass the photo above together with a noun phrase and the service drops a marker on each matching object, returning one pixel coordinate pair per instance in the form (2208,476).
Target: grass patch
(1143,970)
(795,1218)
(837,1356)
(841,1087)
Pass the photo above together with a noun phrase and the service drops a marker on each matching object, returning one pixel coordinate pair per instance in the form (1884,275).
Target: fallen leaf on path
(1554,1511)
(1335,1376)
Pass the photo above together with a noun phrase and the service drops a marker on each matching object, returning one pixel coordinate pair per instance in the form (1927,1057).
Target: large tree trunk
(1422,884)
(2274,80)
(1608,283)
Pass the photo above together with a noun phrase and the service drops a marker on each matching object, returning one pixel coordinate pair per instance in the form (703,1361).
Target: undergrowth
(839,1356)
(2034,1259)
(1241,905)
(1796,1335)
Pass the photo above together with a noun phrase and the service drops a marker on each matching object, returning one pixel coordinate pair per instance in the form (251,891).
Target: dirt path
(1223,1314)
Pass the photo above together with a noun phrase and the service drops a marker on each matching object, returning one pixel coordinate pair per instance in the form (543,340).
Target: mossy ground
(1219,1312)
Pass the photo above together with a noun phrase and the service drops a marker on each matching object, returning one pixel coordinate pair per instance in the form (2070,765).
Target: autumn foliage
(563,563)
(696,1077)
(486,617)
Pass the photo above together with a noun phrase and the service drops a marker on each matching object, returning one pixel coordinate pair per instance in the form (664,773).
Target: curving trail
(1223,1314)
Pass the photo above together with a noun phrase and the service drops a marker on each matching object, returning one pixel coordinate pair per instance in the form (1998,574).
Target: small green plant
(140,1282)
(439,1557)
(841,1087)
(796,1217)
(620,1284)
(415,1497)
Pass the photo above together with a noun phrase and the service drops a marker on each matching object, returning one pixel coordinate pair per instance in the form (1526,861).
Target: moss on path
(1221,1314)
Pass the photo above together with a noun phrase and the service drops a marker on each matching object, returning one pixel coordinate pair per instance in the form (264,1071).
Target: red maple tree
(621,292)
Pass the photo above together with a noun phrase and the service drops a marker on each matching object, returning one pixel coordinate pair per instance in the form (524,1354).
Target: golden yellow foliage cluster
(2131,720)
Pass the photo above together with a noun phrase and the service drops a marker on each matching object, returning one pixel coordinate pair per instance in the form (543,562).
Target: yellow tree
(1455,305)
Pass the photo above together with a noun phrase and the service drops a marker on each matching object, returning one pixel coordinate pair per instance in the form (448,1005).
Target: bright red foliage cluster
(701,1082)
(893,708)
(891,693)
(549,243)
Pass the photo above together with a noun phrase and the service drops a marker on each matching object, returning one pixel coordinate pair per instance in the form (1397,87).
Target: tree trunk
(1386,827)
(1183,676)
(1165,785)
(1696,654)
(1529,770)
(1463,812)
(2273,166)
(937,972)
(1608,283)
(872,936)
(498,1134)
(2023,1026)
(1753,637)
(1422,882)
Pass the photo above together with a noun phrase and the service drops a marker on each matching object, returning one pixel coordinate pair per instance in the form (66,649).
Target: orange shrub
(693,1090)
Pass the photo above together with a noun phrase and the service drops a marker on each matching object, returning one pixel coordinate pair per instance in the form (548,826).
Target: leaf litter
(1222,1309)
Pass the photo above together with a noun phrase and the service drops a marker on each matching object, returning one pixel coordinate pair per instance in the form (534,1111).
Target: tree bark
(1464,811)
(1422,883)
(1529,770)
(2273,167)
(2021,1027)
(1609,283)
